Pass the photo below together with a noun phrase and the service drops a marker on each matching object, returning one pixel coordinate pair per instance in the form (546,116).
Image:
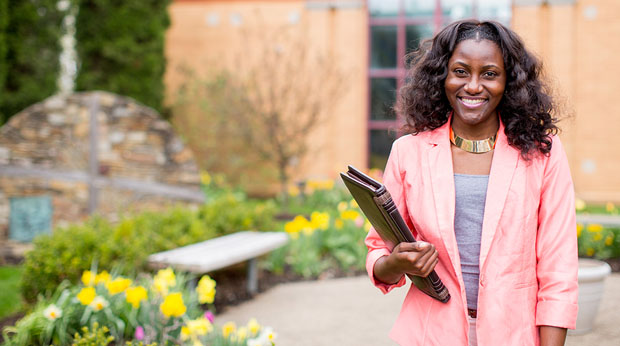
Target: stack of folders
(376,203)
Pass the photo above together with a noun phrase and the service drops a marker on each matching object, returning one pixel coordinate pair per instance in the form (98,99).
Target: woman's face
(475,83)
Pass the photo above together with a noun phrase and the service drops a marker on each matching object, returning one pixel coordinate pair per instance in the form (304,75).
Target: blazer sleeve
(556,244)
(392,179)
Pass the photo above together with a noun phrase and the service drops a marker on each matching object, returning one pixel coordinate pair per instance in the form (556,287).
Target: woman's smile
(472,103)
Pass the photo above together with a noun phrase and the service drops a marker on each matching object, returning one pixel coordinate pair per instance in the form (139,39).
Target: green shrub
(30,63)
(120,47)
(125,246)
(597,241)
(332,239)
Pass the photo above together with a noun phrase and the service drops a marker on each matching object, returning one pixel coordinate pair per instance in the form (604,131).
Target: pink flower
(139,334)
(209,316)
(359,222)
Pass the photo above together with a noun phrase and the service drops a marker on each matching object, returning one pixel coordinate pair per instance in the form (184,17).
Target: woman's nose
(473,86)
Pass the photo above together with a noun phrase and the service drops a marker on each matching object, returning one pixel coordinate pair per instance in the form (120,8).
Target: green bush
(120,47)
(597,241)
(29,64)
(125,246)
(326,240)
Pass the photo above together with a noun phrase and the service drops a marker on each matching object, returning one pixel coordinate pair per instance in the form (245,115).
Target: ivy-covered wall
(120,45)
(29,48)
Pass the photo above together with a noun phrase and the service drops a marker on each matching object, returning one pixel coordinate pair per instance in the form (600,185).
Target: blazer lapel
(503,166)
(441,172)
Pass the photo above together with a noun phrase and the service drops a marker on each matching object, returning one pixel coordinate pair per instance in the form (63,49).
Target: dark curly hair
(525,109)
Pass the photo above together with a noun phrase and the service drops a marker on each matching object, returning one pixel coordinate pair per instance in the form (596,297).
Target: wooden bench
(222,252)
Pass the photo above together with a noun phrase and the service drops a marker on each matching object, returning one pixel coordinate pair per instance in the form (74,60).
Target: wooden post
(93,159)
(253,276)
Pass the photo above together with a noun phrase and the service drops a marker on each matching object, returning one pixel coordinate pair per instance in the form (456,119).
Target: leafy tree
(120,45)
(29,48)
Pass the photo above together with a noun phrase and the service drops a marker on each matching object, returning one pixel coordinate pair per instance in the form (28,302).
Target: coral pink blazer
(528,252)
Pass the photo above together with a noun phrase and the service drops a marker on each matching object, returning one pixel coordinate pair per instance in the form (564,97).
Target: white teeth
(472,101)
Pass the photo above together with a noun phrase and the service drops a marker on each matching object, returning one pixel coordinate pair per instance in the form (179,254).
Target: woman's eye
(490,74)
(459,71)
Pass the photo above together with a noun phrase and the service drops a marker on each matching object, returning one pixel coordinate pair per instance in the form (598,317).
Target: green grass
(10,299)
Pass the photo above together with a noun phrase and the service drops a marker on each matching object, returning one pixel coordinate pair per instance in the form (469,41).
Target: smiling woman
(484,184)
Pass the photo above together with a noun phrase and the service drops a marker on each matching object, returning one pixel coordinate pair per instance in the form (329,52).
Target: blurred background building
(576,39)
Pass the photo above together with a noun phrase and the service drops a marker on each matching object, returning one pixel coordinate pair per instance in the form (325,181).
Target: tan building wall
(207,34)
(578,42)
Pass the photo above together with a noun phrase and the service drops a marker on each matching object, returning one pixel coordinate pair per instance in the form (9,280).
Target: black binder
(378,207)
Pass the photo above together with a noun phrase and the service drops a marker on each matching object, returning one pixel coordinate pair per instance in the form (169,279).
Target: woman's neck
(476,131)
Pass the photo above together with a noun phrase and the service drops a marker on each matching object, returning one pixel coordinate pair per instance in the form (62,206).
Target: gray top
(471,194)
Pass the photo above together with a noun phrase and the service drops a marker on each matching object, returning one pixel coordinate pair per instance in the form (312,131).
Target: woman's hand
(419,258)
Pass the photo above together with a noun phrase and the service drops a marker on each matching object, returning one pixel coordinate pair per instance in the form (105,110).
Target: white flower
(98,303)
(267,337)
(269,334)
(52,312)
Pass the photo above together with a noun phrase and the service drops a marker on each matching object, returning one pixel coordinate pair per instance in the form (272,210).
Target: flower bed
(106,308)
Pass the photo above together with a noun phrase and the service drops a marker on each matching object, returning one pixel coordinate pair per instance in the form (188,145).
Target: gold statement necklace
(473,146)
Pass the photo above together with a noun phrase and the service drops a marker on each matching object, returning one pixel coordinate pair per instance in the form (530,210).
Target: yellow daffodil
(86,295)
(253,326)
(173,305)
(117,285)
(205,178)
(609,240)
(589,251)
(206,290)
(98,303)
(353,204)
(597,236)
(135,295)
(298,224)
(319,220)
(200,326)
(185,333)
(196,342)
(342,206)
(242,333)
(52,312)
(610,207)
(228,328)
(349,215)
(293,191)
(102,277)
(367,226)
(88,278)
(339,224)
(579,229)
(163,280)
(594,227)
(320,185)
(580,204)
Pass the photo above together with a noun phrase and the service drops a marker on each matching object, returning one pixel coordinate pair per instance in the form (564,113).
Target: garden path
(350,311)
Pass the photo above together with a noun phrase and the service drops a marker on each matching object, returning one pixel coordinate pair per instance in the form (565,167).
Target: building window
(396,28)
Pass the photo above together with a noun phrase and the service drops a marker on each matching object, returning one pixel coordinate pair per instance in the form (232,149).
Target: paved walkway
(350,311)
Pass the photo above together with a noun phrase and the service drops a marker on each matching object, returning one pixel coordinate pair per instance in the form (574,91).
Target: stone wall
(140,164)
